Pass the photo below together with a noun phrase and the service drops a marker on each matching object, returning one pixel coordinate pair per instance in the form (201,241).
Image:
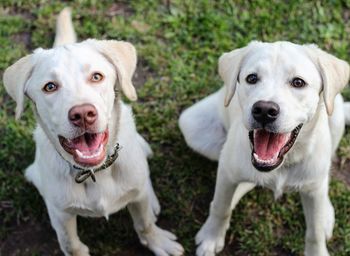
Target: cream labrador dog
(275,123)
(81,119)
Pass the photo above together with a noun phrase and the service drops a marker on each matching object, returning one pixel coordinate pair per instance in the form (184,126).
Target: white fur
(126,183)
(65,33)
(347,113)
(305,167)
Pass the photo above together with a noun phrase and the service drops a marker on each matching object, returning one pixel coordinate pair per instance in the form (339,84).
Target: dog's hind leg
(65,225)
(337,122)
(347,112)
(32,175)
(202,127)
(145,146)
(153,198)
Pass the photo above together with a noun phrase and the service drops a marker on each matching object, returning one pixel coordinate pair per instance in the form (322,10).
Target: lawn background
(178,44)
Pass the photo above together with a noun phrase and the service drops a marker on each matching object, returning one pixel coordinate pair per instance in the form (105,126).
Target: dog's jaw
(88,149)
(269,149)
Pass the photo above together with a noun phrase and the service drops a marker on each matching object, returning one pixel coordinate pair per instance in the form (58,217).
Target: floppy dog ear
(334,73)
(15,78)
(229,67)
(123,56)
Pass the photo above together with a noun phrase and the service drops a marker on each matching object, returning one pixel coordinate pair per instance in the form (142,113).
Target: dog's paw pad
(155,207)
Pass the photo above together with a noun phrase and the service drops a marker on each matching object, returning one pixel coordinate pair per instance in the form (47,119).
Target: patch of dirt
(29,238)
(120,8)
(39,238)
(341,171)
(280,251)
(142,73)
(23,37)
(16,11)
(135,250)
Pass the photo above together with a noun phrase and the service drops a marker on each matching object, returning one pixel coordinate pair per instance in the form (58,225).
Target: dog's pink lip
(88,149)
(265,155)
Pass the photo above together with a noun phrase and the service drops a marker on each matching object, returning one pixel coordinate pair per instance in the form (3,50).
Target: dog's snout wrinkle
(83,116)
(265,112)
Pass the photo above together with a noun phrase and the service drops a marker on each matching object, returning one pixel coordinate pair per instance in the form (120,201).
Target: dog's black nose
(265,112)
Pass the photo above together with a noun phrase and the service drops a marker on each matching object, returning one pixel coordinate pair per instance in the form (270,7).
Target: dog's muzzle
(87,149)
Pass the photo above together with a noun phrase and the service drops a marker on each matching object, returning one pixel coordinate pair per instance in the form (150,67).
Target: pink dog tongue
(267,145)
(88,142)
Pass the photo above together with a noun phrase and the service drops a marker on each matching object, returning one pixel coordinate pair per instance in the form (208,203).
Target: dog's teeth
(262,161)
(79,153)
(97,153)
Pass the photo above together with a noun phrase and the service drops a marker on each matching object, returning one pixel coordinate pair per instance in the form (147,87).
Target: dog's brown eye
(50,87)
(252,79)
(96,77)
(298,83)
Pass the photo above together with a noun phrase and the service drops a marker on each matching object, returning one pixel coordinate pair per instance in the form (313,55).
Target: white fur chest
(114,188)
(295,177)
(101,198)
(96,201)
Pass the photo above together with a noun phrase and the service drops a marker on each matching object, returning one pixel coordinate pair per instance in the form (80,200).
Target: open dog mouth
(269,148)
(88,149)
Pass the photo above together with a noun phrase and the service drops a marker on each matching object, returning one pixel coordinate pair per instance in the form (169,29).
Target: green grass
(178,45)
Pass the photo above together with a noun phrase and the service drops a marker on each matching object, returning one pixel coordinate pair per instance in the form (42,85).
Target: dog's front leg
(65,225)
(160,241)
(319,216)
(211,238)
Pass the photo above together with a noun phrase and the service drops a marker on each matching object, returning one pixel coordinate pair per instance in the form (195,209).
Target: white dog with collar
(80,120)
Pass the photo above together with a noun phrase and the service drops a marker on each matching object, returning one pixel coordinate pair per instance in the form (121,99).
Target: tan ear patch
(229,68)
(334,73)
(15,78)
(123,57)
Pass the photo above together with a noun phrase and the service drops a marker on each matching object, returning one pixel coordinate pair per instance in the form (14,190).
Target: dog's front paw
(155,205)
(211,238)
(161,242)
(313,249)
(81,250)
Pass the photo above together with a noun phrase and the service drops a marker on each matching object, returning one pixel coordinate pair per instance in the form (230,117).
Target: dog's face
(73,89)
(278,91)
(279,87)
(74,99)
